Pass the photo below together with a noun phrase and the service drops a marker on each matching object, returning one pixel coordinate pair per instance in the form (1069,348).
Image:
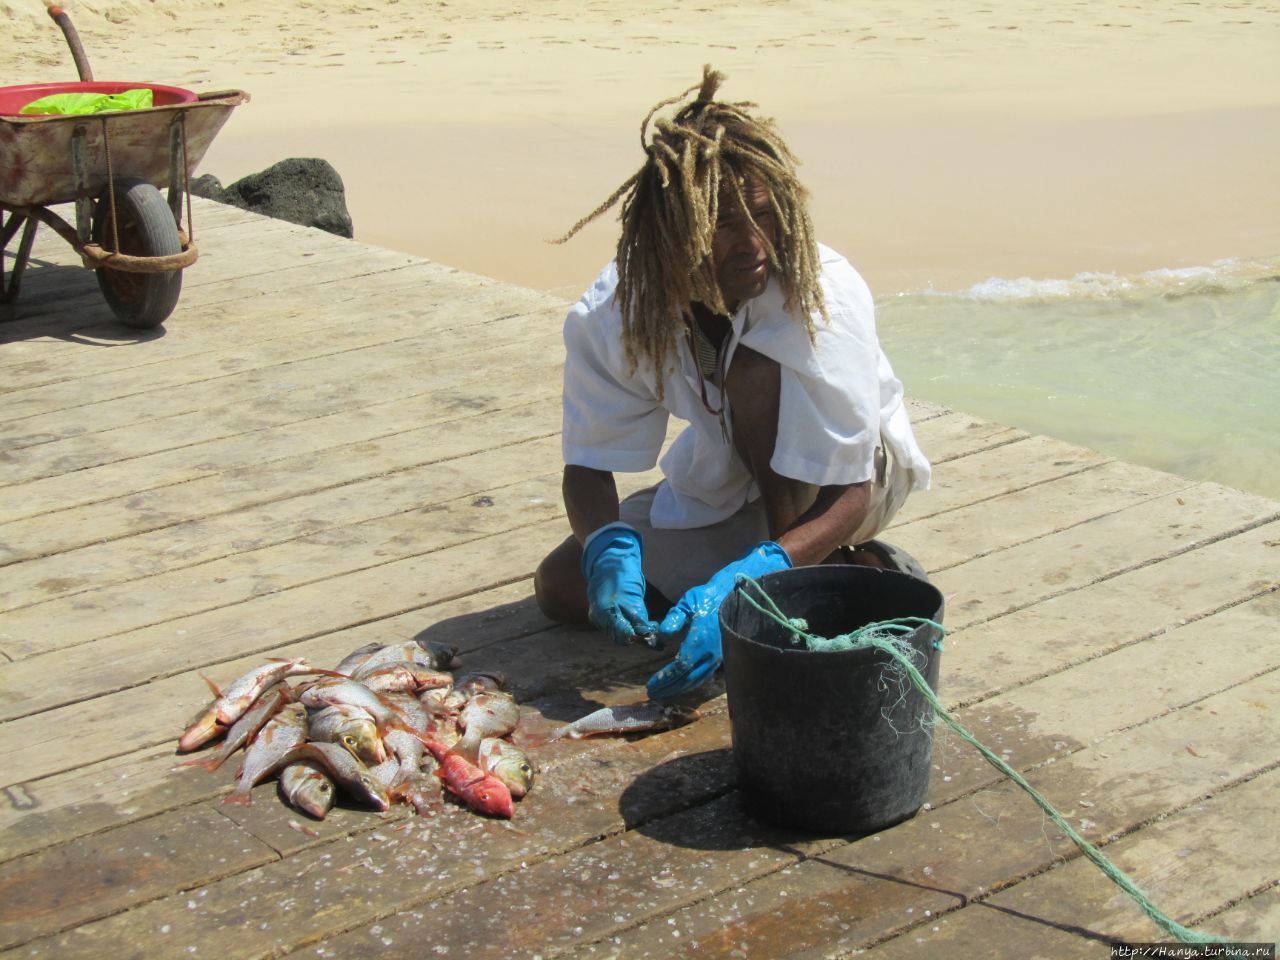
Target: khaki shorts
(675,560)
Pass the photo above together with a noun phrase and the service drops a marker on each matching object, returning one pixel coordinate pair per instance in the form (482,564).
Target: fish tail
(437,749)
(237,796)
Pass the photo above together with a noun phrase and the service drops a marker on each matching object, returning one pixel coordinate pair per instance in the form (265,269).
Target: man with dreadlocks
(722,309)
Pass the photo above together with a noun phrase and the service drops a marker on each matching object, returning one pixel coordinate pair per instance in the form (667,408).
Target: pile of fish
(390,723)
(378,726)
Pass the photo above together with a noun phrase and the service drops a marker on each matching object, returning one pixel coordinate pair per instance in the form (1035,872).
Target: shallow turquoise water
(1177,370)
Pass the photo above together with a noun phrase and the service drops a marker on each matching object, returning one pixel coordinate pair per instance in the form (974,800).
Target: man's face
(737,254)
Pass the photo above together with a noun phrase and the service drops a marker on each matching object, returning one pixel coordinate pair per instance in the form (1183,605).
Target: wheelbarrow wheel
(146,228)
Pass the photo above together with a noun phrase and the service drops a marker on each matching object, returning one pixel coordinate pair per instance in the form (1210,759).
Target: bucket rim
(869,654)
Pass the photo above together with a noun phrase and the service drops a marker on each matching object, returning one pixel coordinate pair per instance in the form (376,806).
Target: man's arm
(837,512)
(590,499)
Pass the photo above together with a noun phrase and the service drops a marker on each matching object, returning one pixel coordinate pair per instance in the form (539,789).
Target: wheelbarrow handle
(63,20)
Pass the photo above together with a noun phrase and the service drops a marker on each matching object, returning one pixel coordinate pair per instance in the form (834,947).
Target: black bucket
(825,741)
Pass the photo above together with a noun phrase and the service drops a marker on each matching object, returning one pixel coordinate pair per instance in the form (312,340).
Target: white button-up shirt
(839,400)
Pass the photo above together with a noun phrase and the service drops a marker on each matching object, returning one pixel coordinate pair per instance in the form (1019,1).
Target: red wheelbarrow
(112,166)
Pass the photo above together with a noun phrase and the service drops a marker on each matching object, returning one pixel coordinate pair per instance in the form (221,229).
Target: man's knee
(558,585)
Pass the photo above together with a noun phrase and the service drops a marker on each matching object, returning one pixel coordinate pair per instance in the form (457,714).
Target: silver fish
(345,769)
(355,658)
(306,787)
(385,773)
(231,703)
(352,727)
(404,677)
(405,652)
(630,718)
(508,763)
(246,728)
(408,748)
(285,731)
(448,702)
(350,693)
(236,698)
(486,715)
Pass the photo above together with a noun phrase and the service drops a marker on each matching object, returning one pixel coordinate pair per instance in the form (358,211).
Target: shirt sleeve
(612,418)
(829,403)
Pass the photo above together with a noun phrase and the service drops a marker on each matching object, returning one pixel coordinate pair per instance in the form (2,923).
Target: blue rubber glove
(615,583)
(698,612)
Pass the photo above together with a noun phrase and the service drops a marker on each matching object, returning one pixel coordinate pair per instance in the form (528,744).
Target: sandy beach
(943,144)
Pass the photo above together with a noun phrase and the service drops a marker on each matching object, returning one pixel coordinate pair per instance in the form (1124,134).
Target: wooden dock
(330,444)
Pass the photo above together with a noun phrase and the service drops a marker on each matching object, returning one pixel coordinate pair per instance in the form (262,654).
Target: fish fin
(212,686)
(321,671)
(468,748)
(210,763)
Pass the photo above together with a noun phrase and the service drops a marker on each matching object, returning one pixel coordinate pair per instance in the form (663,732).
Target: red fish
(478,790)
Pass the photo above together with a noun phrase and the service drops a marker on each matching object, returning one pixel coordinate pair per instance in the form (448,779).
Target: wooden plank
(989,526)
(206,538)
(958,434)
(302,327)
(113,660)
(1035,570)
(1254,920)
(353,351)
(69,303)
(318,413)
(78,883)
(992,472)
(1194,861)
(1067,629)
(40,357)
(308,557)
(218,492)
(881,886)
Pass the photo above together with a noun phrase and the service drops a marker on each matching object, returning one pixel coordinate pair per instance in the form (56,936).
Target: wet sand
(941,146)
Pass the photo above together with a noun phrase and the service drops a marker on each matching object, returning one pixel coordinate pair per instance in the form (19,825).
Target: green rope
(874,635)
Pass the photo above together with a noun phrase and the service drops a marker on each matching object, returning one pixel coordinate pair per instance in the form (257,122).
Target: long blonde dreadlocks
(696,161)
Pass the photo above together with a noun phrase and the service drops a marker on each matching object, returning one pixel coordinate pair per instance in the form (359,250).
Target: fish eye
(525,768)
(325,787)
